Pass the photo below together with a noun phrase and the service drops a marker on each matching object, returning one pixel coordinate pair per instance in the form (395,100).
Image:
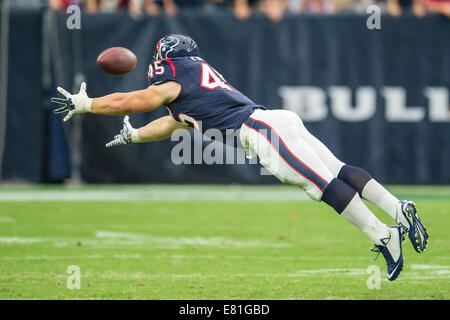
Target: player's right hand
(124,137)
(73,103)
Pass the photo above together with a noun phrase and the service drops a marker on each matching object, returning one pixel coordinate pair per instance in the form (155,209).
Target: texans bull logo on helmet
(175,45)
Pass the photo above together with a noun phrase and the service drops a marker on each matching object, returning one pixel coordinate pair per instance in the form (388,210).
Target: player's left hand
(124,137)
(73,103)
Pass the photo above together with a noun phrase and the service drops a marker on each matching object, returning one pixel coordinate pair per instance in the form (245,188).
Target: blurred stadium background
(379,98)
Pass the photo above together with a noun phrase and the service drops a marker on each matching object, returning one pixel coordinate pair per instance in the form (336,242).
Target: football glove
(73,103)
(125,136)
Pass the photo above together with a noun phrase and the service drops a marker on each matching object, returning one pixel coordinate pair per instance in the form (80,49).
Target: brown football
(117,60)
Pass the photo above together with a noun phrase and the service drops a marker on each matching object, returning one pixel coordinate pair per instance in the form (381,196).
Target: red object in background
(440,6)
(63,4)
(123,4)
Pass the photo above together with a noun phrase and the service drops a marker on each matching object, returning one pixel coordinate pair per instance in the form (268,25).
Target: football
(117,60)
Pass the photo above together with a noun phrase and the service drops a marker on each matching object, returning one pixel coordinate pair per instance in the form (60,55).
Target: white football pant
(289,151)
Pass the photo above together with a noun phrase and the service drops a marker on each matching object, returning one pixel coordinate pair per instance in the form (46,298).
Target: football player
(197,96)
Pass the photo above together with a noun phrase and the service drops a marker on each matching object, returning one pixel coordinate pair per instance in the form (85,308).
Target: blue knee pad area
(338,195)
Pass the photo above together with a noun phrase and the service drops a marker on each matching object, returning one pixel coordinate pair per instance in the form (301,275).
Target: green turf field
(205,242)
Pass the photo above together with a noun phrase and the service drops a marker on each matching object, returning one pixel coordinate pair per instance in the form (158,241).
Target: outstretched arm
(117,103)
(149,99)
(159,129)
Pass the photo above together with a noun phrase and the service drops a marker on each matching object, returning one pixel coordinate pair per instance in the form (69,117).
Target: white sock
(378,195)
(357,213)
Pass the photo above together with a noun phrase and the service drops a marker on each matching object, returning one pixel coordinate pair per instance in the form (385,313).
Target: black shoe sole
(417,233)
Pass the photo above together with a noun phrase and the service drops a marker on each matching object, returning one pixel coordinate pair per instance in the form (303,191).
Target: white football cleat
(391,249)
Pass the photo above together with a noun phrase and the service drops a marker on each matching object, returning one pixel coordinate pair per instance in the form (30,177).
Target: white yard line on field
(350,272)
(81,257)
(113,239)
(194,257)
(21,240)
(429,267)
(7,220)
(175,193)
(300,257)
(443,270)
(220,242)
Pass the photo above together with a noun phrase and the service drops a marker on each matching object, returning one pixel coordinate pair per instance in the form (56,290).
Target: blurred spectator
(135,7)
(242,9)
(153,7)
(396,7)
(94,6)
(170,7)
(353,5)
(109,5)
(313,6)
(91,6)
(273,9)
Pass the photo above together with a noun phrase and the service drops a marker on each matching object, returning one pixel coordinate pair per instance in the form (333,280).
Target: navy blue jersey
(206,100)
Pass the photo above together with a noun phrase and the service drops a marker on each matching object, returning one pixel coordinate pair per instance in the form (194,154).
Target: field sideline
(205,242)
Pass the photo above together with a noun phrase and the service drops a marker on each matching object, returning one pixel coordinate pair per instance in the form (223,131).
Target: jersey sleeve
(161,71)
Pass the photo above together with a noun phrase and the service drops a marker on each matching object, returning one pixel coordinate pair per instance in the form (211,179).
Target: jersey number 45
(211,79)
(155,68)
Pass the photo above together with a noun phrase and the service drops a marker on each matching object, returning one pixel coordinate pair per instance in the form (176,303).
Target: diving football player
(197,96)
